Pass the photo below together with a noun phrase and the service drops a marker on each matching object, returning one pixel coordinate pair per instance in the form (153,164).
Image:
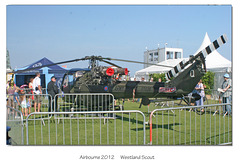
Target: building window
(169,55)
(156,56)
(177,55)
(150,58)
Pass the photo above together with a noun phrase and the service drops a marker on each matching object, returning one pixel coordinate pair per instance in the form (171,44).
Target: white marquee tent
(157,69)
(215,62)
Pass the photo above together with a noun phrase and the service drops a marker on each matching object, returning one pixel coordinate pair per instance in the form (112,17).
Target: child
(16,100)
(23,103)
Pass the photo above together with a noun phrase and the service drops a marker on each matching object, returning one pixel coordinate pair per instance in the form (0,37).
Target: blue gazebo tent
(46,73)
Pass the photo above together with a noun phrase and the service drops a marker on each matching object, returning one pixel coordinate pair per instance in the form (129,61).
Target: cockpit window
(67,83)
(70,78)
(70,81)
(79,74)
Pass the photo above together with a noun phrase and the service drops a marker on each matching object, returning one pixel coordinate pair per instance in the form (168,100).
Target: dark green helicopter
(181,79)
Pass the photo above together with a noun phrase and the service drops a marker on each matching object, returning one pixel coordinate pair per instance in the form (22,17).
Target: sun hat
(226,75)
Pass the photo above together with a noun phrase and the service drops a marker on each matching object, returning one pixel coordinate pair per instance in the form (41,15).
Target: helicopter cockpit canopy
(71,77)
(79,74)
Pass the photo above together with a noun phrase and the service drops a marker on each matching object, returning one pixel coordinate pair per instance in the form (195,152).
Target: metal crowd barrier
(28,90)
(84,119)
(84,102)
(183,127)
(213,94)
(128,128)
(45,105)
(164,103)
(14,120)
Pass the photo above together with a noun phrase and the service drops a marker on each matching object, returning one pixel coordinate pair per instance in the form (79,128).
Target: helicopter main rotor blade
(111,63)
(202,54)
(138,62)
(63,62)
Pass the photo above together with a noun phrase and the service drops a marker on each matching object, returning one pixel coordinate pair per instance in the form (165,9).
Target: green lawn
(178,128)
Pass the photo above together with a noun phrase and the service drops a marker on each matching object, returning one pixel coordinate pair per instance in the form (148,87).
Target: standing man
(52,90)
(37,90)
(227,94)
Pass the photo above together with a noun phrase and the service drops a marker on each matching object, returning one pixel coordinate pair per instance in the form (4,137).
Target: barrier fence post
(150,123)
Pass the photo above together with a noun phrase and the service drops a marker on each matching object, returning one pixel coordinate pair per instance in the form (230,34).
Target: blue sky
(68,32)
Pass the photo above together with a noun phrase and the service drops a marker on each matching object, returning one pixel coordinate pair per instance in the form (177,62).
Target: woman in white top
(200,90)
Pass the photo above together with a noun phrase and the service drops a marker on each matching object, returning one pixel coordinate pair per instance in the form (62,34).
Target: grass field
(179,127)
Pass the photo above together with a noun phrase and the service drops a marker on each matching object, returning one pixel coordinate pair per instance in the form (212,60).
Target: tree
(208,80)
(8,66)
(156,76)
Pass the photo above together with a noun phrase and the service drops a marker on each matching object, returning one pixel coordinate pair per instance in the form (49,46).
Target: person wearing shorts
(37,91)
(37,99)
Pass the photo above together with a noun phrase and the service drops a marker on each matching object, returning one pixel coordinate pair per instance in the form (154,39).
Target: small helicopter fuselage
(85,81)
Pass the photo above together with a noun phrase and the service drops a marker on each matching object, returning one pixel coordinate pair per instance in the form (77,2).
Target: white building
(161,54)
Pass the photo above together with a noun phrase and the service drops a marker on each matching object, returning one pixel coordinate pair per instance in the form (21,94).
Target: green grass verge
(169,128)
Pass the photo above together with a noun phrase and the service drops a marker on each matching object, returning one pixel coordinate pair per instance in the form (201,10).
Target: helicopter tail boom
(202,54)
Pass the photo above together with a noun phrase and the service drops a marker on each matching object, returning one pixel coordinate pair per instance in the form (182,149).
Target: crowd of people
(22,97)
(17,95)
(225,94)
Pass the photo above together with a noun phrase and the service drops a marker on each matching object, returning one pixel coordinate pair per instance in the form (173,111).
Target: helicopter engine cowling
(110,71)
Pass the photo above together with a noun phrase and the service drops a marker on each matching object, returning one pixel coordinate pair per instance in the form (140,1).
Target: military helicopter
(181,79)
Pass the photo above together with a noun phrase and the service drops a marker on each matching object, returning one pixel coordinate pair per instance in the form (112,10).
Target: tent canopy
(42,62)
(214,61)
(160,69)
(46,72)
